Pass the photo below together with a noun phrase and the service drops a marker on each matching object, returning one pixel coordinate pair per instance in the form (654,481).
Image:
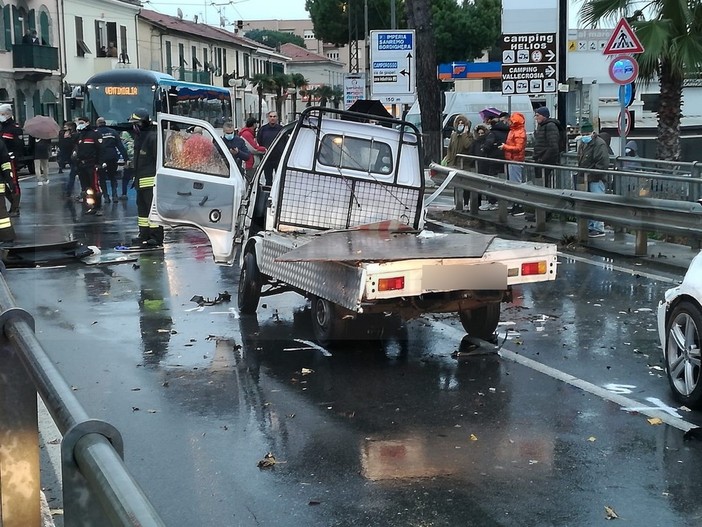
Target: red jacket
(247,134)
(515,146)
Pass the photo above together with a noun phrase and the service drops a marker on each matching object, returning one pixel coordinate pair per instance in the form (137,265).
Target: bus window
(116,103)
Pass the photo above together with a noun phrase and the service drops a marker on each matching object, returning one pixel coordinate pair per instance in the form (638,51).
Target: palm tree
(264,84)
(298,81)
(282,83)
(673,49)
(325,93)
(337,96)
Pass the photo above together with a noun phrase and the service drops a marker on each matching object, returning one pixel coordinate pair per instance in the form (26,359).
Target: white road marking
(598,391)
(312,345)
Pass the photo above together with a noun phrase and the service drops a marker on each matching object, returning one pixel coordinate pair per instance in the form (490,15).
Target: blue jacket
(242,154)
(111,146)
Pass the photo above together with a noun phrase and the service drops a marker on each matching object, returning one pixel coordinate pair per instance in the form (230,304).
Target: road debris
(610,513)
(204,301)
(267,461)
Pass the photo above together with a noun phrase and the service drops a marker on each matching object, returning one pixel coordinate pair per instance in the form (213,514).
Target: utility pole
(562,60)
(393,17)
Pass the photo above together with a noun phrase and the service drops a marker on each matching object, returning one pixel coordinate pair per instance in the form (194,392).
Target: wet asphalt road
(399,433)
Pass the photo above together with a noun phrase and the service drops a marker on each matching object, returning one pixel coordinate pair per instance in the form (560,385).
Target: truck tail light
(391,284)
(532,268)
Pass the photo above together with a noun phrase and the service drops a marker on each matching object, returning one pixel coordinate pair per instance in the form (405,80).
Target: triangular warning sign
(623,40)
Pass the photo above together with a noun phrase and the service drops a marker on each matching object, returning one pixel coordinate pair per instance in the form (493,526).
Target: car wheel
(682,354)
(327,325)
(249,285)
(481,322)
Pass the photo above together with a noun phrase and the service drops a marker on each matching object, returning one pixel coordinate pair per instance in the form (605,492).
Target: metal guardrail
(97,488)
(641,214)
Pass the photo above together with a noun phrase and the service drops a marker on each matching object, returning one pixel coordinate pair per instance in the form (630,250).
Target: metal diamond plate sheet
(337,282)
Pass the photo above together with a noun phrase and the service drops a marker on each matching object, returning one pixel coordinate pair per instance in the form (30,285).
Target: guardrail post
(641,244)
(19,437)
(458,198)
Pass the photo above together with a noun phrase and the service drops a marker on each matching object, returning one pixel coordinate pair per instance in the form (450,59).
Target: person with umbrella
(43,130)
(7,231)
(11,135)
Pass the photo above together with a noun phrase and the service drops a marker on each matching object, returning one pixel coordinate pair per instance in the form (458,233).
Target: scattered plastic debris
(203,301)
(610,513)
(267,461)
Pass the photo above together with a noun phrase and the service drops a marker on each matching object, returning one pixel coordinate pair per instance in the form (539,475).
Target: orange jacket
(515,146)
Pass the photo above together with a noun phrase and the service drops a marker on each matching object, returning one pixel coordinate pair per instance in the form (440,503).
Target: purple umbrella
(489,113)
(42,127)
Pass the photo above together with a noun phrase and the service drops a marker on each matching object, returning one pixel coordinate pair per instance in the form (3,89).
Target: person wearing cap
(11,135)
(111,148)
(87,155)
(593,154)
(546,143)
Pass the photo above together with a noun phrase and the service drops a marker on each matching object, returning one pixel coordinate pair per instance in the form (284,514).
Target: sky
(209,10)
(232,10)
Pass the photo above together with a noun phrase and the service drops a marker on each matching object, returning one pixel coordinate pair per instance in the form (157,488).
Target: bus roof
(130,75)
(134,75)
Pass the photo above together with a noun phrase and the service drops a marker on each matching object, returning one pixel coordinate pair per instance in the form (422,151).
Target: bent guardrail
(97,487)
(639,214)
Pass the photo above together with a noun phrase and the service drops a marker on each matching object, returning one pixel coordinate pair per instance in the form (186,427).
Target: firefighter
(11,134)
(87,154)
(7,232)
(145,139)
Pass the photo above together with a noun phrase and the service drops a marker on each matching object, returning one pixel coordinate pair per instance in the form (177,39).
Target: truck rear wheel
(327,325)
(482,321)
(249,285)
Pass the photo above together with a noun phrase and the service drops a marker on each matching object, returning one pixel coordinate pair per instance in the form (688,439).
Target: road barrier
(97,488)
(638,212)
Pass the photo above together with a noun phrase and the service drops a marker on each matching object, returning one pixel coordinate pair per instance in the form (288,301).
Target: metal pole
(393,18)
(562,59)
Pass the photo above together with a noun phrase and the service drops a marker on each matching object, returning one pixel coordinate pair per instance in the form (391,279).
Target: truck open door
(198,183)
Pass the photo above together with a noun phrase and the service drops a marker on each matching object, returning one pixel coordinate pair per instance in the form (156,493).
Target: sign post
(623,70)
(392,66)
(354,88)
(529,63)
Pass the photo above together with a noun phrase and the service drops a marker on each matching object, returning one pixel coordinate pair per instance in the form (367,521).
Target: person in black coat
(111,148)
(236,145)
(87,156)
(495,137)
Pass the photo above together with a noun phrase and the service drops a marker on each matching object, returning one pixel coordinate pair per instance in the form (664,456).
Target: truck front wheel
(482,321)
(249,285)
(327,325)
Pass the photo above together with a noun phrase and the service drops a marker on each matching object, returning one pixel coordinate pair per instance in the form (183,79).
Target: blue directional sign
(626,94)
(393,72)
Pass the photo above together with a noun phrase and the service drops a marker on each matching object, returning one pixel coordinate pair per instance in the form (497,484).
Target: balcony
(32,61)
(184,74)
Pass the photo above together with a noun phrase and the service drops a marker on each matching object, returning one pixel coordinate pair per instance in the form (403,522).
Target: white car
(680,331)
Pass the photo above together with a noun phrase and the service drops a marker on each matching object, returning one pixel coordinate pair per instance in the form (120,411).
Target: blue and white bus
(115,95)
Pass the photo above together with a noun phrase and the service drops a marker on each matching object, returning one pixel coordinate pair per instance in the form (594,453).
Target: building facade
(31,67)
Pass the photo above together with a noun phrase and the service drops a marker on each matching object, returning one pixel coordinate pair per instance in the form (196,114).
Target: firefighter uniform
(144,179)
(11,134)
(7,232)
(87,155)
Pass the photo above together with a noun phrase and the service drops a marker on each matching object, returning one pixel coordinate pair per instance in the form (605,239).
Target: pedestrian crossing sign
(623,40)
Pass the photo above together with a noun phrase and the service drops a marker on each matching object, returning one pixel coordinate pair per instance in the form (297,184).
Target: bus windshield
(115,95)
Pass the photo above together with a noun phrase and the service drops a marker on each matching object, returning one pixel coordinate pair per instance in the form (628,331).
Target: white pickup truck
(341,222)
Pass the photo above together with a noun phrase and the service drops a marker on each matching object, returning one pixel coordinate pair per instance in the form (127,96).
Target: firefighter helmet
(140,116)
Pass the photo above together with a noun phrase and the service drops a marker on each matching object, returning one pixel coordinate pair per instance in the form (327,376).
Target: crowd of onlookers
(501,140)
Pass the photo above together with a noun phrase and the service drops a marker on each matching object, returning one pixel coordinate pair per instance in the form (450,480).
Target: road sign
(624,122)
(529,63)
(392,66)
(626,94)
(623,69)
(354,88)
(623,40)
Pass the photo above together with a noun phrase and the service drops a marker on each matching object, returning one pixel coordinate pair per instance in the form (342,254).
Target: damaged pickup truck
(341,221)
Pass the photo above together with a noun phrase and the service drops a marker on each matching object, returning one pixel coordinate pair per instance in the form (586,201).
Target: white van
(470,103)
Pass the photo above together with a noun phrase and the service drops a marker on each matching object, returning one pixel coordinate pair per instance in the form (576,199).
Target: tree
(297,81)
(324,93)
(274,39)
(281,83)
(419,17)
(264,84)
(330,18)
(463,31)
(673,49)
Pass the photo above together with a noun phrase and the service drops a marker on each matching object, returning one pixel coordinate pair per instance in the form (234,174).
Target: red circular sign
(623,69)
